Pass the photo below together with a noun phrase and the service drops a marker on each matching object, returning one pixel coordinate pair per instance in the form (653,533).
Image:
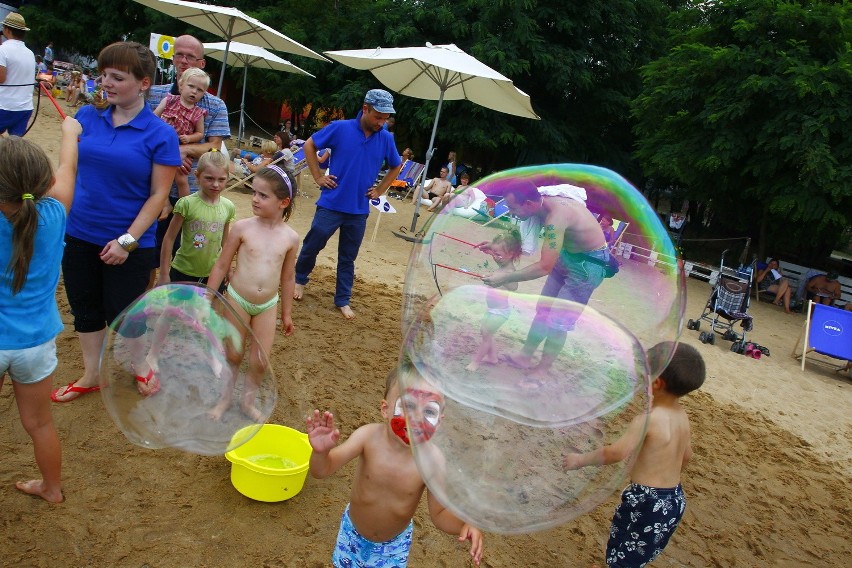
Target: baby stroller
(727,305)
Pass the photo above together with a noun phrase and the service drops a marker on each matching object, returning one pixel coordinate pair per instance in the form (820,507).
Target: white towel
(564,190)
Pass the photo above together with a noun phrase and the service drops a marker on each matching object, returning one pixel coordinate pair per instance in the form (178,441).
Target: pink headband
(284,176)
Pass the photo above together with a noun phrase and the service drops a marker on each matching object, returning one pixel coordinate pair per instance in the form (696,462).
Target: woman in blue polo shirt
(127,161)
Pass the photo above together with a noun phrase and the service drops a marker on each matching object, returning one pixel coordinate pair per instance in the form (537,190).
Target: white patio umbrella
(229,24)
(438,72)
(245,56)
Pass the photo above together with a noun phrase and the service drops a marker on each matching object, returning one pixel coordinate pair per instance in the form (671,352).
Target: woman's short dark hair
(130,57)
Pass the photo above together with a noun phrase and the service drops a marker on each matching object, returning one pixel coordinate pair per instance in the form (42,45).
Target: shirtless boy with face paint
(377,524)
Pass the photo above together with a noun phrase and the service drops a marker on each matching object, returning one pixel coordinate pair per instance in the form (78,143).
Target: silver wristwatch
(127,242)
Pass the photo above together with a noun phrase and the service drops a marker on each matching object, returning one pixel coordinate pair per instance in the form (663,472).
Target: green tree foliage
(579,62)
(752,108)
(85,27)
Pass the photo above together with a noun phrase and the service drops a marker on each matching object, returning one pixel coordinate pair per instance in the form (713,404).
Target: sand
(768,485)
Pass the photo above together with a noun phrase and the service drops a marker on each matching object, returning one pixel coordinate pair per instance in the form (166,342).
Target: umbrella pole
(419,190)
(225,59)
(242,130)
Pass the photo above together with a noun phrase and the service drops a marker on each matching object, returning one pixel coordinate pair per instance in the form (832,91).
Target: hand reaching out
(494,280)
(322,434)
(572,461)
(475,537)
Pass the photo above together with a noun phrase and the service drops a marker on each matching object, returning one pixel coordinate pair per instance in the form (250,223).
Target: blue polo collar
(139,122)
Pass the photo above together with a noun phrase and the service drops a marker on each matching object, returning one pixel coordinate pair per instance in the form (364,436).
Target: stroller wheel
(735,347)
(690,324)
(702,337)
(729,335)
(711,338)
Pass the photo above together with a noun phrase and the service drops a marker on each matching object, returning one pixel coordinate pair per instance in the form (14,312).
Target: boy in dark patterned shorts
(653,504)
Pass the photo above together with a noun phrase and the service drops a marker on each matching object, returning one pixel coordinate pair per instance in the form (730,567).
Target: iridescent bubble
(647,295)
(542,355)
(181,369)
(496,458)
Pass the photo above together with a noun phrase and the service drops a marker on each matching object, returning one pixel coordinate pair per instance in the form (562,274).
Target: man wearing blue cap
(359,147)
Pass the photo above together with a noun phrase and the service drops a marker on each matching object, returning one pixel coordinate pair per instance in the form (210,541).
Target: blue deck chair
(413,177)
(299,162)
(828,331)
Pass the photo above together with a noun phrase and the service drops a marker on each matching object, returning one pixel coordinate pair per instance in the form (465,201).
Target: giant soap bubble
(549,360)
(184,371)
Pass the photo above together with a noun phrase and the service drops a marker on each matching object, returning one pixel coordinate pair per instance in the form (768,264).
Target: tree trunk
(761,237)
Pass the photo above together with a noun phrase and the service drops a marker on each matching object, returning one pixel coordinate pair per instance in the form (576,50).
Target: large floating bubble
(208,377)
(551,364)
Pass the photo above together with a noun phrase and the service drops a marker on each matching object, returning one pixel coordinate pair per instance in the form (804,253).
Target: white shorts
(31,365)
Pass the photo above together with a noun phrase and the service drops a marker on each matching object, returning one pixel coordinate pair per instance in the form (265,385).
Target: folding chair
(414,174)
(620,228)
(403,175)
(299,161)
(827,331)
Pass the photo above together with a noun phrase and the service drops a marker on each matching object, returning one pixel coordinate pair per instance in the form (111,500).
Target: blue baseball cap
(380,100)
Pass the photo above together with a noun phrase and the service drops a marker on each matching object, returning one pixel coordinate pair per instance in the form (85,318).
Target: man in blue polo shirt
(359,148)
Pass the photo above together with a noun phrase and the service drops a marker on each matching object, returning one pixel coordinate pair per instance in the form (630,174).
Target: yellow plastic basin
(272,465)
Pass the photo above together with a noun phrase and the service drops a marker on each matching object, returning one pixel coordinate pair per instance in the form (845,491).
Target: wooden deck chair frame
(619,234)
(835,323)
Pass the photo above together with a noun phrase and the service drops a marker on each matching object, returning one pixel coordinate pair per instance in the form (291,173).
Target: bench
(796,274)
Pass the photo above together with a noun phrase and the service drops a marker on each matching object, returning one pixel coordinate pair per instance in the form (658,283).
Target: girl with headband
(265,247)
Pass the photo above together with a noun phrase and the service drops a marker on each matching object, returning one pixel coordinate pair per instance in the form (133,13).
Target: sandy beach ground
(768,485)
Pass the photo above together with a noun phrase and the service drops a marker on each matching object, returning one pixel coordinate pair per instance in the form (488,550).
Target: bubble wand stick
(459,240)
(50,96)
(462,270)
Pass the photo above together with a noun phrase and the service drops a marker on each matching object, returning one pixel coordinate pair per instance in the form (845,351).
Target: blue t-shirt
(114,173)
(215,121)
(357,161)
(30,317)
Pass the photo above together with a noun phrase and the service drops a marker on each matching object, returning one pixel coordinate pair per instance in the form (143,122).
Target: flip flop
(69,388)
(150,382)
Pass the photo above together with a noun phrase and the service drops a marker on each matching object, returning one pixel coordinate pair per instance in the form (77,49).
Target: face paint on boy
(424,408)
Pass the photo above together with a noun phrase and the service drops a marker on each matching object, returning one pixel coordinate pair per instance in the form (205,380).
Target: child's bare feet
(517,361)
(36,487)
(253,412)
(298,292)
(474,365)
(490,360)
(347,312)
(217,411)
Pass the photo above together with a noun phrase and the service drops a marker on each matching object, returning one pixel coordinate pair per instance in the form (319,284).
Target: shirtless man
(573,257)
(437,188)
(825,288)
